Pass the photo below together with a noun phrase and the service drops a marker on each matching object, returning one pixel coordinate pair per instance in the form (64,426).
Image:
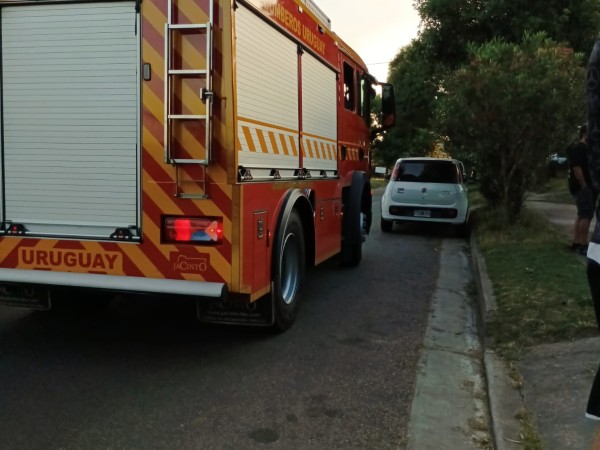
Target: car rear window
(426,172)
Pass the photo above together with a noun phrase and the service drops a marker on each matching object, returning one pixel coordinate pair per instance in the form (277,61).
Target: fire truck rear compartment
(70,125)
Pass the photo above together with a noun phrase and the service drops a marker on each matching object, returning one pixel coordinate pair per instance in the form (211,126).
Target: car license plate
(422,213)
(32,297)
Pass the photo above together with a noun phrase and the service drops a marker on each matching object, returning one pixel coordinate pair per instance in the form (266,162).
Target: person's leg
(593,277)
(576,240)
(585,211)
(592,410)
(580,204)
(584,230)
(596,444)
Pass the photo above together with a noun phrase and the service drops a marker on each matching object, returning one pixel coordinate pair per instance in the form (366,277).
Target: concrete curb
(503,399)
(485,294)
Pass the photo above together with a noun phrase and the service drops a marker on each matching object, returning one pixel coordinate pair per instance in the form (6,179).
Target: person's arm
(579,176)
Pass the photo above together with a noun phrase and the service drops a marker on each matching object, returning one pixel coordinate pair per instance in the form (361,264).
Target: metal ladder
(206,95)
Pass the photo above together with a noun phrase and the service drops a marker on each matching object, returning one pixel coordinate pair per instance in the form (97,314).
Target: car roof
(427,158)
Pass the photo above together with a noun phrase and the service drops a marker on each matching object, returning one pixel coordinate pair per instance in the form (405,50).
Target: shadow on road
(137,324)
(428,229)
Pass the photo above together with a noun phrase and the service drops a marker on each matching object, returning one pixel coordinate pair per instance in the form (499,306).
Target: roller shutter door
(319,115)
(70,99)
(267,94)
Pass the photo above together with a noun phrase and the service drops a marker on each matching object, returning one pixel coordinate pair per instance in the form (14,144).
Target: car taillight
(195,230)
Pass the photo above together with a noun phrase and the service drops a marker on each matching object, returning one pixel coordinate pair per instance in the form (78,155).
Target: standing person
(581,187)
(593,253)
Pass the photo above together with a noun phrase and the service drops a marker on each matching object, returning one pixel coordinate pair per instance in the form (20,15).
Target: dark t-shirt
(578,156)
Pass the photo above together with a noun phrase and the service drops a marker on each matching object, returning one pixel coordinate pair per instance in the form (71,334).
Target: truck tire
(354,222)
(289,266)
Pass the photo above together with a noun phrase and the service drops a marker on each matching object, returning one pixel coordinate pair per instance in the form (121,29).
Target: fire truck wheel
(353,225)
(289,268)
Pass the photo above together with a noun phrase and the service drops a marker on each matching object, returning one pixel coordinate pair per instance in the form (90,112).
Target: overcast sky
(375,29)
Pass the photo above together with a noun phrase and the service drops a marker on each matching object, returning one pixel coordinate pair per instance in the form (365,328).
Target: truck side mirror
(388,109)
(388,106)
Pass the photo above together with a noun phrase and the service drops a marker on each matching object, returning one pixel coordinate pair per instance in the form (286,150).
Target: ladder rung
(187,72)
(194,196)
(187,116)
(188,26)
(203,162)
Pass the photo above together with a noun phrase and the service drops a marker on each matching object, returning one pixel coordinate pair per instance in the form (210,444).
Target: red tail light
(183,229)
(395,172)
(195,230)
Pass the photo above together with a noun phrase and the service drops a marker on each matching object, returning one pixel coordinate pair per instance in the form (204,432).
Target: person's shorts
(586,203)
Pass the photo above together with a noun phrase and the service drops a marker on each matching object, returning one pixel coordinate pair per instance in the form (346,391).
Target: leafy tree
(507,109)
(573,22)
(504,102)
(415,87)
(450,25)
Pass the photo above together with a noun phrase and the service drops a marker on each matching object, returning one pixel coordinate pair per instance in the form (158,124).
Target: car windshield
(426,172)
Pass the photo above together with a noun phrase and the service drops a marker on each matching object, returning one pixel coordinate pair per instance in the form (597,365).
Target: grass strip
(540,285)
(540,288)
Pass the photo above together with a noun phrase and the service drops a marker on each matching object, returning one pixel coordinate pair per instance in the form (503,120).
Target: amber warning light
(193,230)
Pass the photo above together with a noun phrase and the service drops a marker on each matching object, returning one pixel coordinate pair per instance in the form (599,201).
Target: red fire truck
(205,149)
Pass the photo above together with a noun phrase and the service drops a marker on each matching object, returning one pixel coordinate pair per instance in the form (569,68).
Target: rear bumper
(452,215)
(114,283)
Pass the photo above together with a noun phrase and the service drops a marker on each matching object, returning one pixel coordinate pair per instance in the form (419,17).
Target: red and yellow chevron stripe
(319,147)
(353,154)
(259,137)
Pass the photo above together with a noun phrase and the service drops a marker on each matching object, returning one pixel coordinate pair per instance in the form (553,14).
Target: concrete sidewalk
(449,408)
(556,377)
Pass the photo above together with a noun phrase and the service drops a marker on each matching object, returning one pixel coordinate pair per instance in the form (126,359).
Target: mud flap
(29,297)
(236,311)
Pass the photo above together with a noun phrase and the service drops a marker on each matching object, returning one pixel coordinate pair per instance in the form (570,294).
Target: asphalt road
(145,375)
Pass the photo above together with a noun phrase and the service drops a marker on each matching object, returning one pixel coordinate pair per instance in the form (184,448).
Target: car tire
(462,230)
(386,225)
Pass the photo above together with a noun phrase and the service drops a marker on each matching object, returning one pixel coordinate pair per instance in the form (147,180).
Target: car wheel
(462,230)
(386,225)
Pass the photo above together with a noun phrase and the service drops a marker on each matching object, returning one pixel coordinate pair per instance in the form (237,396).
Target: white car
(557,159)
(426,190)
